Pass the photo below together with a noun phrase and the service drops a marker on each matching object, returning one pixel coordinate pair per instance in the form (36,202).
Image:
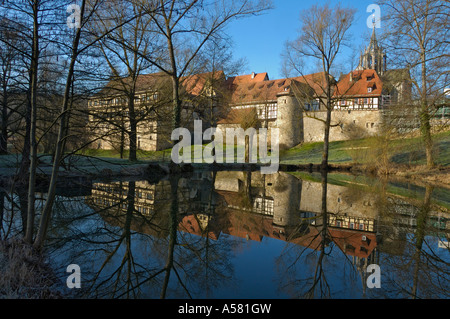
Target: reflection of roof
(351,242)
(244,224)
(191,225)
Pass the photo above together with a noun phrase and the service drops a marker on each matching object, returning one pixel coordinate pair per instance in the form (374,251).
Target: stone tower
(373,57)
(289,120)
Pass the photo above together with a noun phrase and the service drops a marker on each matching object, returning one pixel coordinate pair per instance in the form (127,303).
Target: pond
(244,235)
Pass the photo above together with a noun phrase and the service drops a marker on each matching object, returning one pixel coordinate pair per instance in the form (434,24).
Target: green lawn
(363,151)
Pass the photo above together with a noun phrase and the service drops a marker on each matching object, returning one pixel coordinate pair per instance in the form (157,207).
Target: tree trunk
(4,128)
(425,126)
(33,144)
(326,138)
(176,121)
(132,135)
(62,134)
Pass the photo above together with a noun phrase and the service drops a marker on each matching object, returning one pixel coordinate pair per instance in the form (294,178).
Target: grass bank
(401,151)
(404,158)
(25,274)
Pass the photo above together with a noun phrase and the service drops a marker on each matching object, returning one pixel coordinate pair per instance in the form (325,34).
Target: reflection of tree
(130,254)
(174,179)
(312,244)
(2,212)
(420,271)
(319,280)
(127,265)
(205,261)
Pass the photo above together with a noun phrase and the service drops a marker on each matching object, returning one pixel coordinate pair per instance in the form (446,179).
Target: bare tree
(78,47)
(8,69)
(186,27)
(324,31)
(124,54)
(417,33)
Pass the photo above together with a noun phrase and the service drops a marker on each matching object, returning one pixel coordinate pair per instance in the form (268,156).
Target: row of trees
(111,40)
(415,33)
(49,68)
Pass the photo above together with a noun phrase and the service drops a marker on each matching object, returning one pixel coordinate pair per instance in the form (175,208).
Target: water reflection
(247,235)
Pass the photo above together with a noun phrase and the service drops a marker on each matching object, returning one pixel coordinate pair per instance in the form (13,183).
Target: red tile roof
(235,116)
(246,79)
(358,87)
(192,84)
(246,92)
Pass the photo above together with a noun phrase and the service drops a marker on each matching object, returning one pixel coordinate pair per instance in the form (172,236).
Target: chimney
(351,76)
(253,75)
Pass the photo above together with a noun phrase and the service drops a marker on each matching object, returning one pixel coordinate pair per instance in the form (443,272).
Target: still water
(246,235)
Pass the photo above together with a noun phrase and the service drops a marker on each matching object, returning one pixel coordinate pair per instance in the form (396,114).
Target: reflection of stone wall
(340,200)
(277,195)
(349,208)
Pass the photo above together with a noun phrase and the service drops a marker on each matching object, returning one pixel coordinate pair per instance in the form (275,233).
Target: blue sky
(261,39)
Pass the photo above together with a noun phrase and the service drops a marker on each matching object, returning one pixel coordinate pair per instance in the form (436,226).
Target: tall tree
(123,50)
(79,46)
(8,60)
(186,27)
(323,33)
(417,35)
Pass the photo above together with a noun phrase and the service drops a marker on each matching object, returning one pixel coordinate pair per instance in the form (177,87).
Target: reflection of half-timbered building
(252,206)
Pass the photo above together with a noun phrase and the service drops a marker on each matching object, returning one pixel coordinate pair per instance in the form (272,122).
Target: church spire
(373,57)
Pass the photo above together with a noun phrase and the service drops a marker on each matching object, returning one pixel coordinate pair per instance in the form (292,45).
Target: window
(272,110)
(315,105)
(369,90)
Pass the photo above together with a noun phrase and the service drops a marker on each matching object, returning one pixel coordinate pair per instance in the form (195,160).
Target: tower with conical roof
(373,57)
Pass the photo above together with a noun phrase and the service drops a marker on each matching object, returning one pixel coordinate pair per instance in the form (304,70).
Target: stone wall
(346,124)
